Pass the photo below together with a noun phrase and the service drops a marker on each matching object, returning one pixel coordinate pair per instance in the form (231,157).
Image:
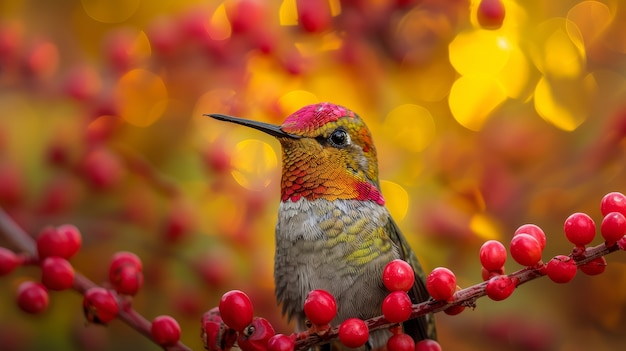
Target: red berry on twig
(500,287)
(99,305)
(594,267)
(165,331)
(561,269)
(8,261)
(57,273)
(427,345)
(400,342)
(320,307)
(579,229)
(613,227)
(525,249)
(398,275)
(492,255)
(32,297)
(236,309)
(613,202)
(397,307)
(353,332)
(441,283)
(534,231)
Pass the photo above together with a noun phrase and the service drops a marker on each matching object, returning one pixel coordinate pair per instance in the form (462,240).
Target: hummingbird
(333,230)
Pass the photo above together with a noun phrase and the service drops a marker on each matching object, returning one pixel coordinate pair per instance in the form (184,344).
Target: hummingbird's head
(328,153)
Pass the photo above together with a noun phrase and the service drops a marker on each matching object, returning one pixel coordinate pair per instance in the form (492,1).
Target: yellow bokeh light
(592,18)
(254,163)
(484,227)
(557,49)
(514,76)
(473,98)
(565,104)
(396,199)
(142,96)
(409,126)
(110,11)
(479,52)
(220,26)
(288,11)
(294,100)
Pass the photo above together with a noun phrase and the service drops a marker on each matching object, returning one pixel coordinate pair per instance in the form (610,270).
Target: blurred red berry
(179,223)
(124,258)
(245,15)
(320,307)
(32,297)
(397,307)
(613,227)
(594,267)
(41,60)
(353,332)
(127,280)
(500,287)
(579,229)
(102,168)
(255,336)
(534,231)
(525,250)
(281,342)
(8,261)
(165,331)
(492,255)
(164,35)
(400,342)
(83,83)
(57,273)
(398,275)
(236,309)
(561,269)
(99,305)
(427,345)
(613,202)
(314,16)
(441,283)
(64,241)
(11,184)
(217,159)
(491,14)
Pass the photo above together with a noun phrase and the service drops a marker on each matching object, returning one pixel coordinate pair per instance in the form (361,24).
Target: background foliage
(478,131)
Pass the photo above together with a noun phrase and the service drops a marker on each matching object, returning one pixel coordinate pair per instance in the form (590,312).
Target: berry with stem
(32,297)
(400,342)
(57,273)
(99,305)
(353,332)
(579,229)
(613,227)
(525,250)
(561,269)
(613,202)
(8,261)
(500,287)
(397,307)
(492,255)
(398,275)
(165,331)
(236,309)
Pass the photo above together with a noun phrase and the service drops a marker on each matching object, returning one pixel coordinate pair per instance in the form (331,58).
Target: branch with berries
(233,321)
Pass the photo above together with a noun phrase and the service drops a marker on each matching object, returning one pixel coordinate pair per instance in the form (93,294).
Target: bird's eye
(339,138)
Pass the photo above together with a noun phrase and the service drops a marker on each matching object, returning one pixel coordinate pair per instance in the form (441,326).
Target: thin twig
(81,283)
(466,297)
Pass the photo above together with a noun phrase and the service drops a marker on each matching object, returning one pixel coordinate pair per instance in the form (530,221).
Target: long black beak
(264,127)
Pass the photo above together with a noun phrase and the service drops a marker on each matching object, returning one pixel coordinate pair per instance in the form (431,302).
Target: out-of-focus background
(478,131)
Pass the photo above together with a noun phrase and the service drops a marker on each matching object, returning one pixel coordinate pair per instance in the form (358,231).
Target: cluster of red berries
(55,246)
(234,321)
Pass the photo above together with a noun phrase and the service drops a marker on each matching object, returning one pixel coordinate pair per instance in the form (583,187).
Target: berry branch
(83,285)
(465,297)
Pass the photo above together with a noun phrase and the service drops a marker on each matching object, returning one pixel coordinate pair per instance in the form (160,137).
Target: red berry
(561,269)
(102,168)
(398,275)
(313,16)
(165,331)
(8,261)
(397,307)
(613,227)
(236,309)
(613,202)
(57,273)
(500,287)
(579,229)
(281,342)
(441,283)
(525,250)
(492,255)
(534,231)
(320,307)
(491,14)
(245,15)
(127,279)
(121,259)
(594,267)
(32,297)
(255,336)
(427,345)
(99,305)
(400,342)
(353,332)
(454,310)
(64,241)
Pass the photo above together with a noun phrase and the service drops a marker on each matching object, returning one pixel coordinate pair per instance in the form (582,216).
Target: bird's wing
(424,326)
